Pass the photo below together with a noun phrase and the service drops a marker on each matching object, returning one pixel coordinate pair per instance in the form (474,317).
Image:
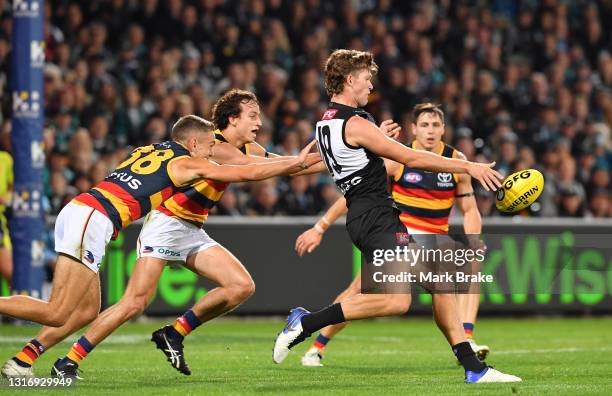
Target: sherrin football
(519,190)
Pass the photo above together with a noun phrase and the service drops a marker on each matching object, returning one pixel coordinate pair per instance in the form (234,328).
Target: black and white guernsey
(359,173)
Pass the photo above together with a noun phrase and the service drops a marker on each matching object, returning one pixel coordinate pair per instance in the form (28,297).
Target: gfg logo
(37,53)
(26,104)
(26,8)
(510,182)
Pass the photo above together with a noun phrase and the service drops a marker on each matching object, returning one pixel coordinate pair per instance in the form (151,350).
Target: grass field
(233,356)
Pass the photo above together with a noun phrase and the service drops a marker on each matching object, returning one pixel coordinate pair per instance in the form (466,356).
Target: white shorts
(170,238)
(82,233)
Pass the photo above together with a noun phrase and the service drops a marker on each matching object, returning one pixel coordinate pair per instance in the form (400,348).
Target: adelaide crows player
(146,179)
(352,147)
(174,232)
(425,200)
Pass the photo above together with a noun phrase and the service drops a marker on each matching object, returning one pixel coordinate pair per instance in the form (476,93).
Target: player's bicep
(363,133)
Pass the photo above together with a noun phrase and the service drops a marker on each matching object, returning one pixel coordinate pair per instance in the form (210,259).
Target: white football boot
(489,374)
(12,369)
(312,358)
(291,335)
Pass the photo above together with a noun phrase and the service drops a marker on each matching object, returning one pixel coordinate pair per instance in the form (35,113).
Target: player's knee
(90,313)
(400,303)
(56,318)
(241,291)
(134,306)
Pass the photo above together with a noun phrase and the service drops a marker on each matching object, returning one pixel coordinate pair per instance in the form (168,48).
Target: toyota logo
(445,177)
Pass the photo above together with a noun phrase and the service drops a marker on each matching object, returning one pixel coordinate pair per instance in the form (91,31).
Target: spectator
(264,201)
(298,200)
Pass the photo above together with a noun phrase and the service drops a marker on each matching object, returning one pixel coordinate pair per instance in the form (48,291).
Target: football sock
(184,325)
(466,356)
(30,352)
(325,317)
(79,351)
(320,342)
(468,328)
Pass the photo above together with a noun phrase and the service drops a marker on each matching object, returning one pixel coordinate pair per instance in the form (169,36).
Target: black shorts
(378,228)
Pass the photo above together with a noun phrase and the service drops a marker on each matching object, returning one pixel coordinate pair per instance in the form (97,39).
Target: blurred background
(525,83)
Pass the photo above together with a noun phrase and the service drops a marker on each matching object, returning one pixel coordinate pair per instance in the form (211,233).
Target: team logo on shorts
(88,256)
(403,238)
(147,249)
(413,177)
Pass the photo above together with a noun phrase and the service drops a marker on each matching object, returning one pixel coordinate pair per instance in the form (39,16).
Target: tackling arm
(189,169)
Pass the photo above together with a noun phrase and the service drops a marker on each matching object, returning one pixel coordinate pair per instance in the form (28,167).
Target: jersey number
(324,137)
(146,160)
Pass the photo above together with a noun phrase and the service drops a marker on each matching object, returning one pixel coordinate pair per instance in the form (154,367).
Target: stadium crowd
(524,83)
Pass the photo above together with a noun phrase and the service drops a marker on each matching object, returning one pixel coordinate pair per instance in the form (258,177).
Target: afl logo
(501,193)
(444,177)
(413,177)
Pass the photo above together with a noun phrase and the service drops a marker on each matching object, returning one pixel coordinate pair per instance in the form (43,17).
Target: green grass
(386,357)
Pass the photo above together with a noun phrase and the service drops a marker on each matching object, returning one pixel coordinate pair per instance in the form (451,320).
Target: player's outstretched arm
(259,155)
(226,154)
(360,132)
(190,169)
(313,163)
(310,239)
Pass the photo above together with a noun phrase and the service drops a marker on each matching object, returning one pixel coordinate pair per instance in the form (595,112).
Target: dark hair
(187,124)
(343,62)
(427,107)
(228,106)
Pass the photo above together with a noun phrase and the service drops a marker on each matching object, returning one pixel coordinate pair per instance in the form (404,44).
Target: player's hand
(390,128)
(486,175)
(308,241)
(304,154)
